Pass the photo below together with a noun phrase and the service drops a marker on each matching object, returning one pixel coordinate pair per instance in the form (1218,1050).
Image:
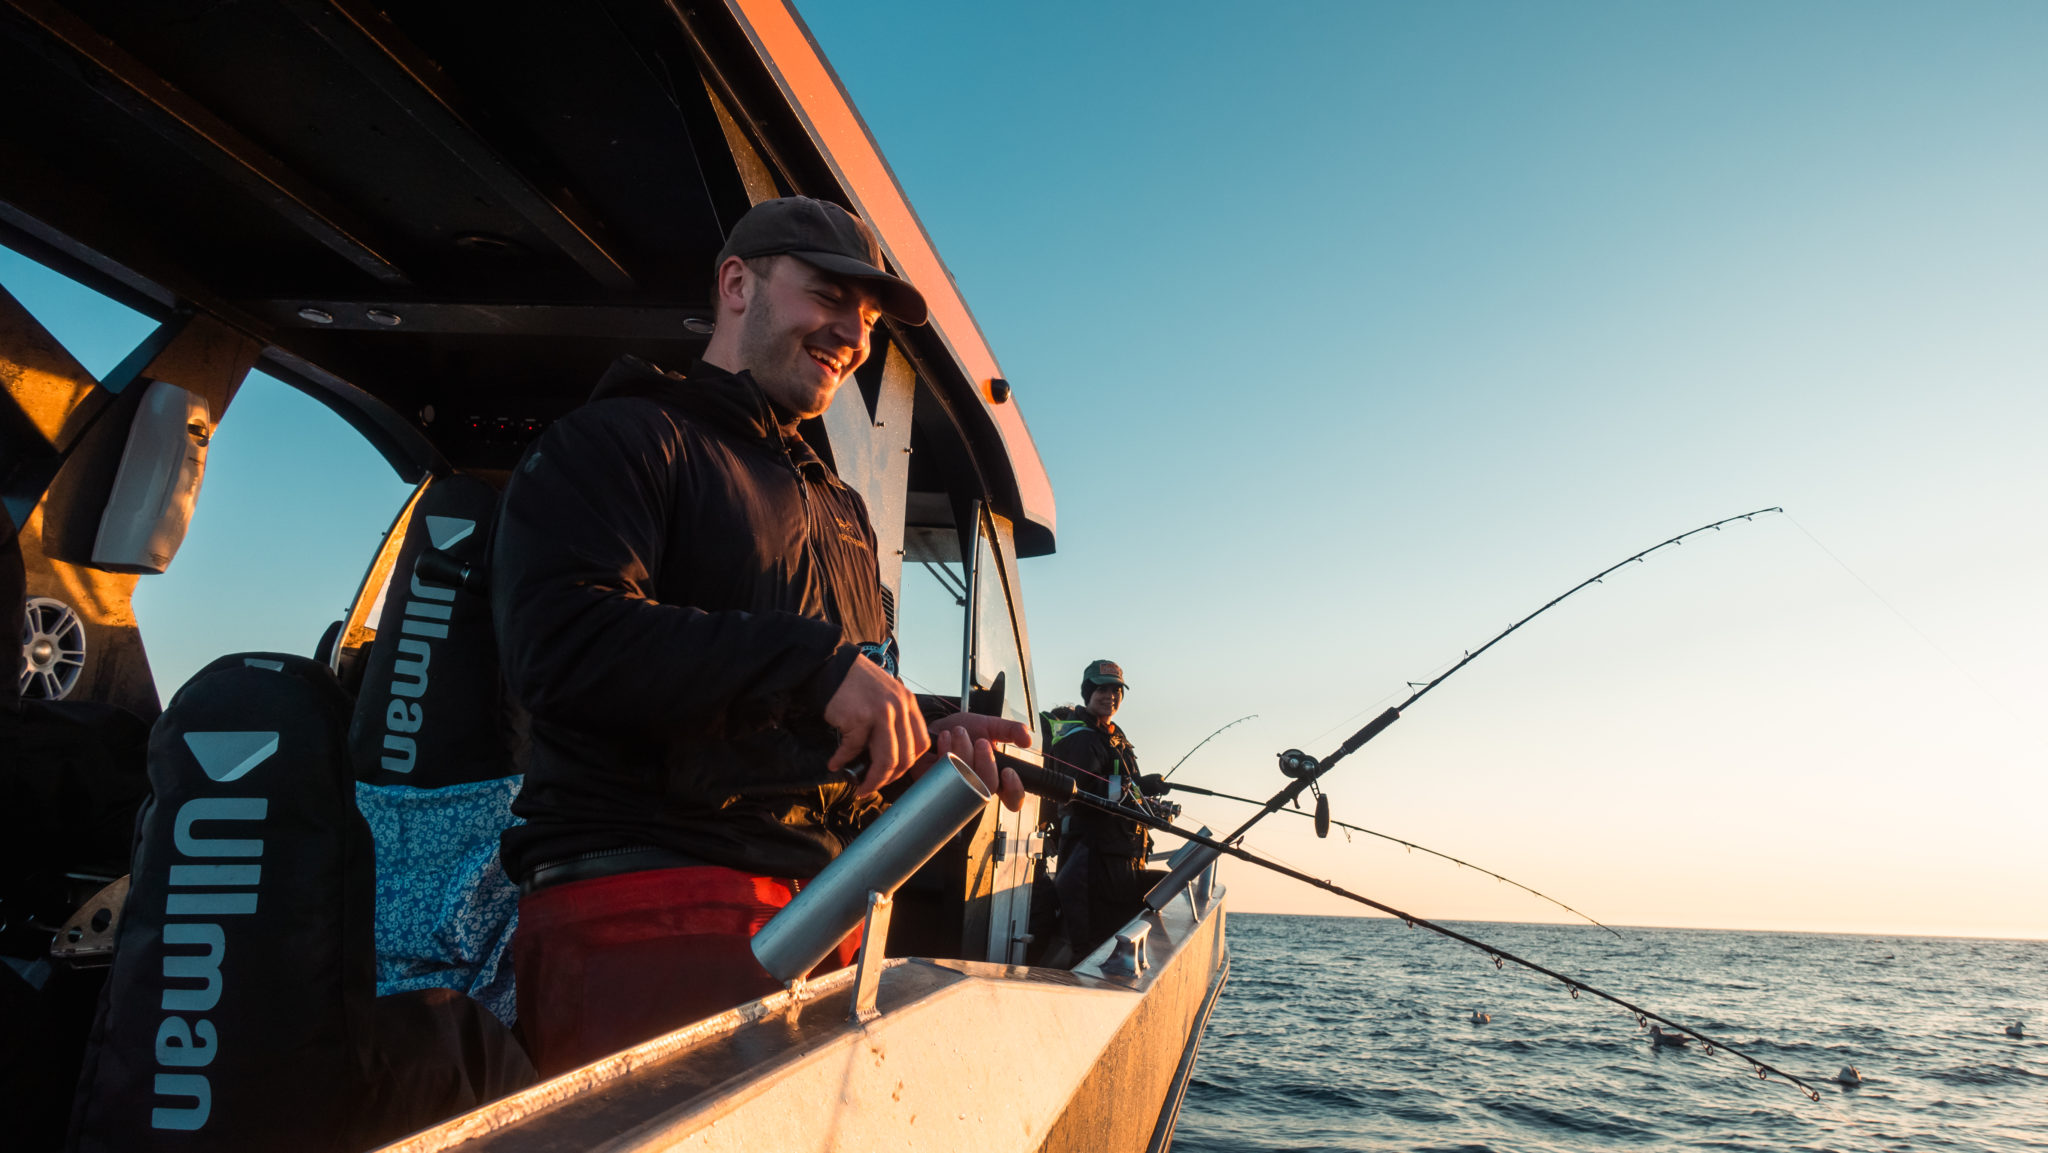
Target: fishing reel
(1298,765)
(1301,767)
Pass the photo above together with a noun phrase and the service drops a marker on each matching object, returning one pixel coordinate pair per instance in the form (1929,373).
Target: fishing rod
(1408,844)
(1306,770)
(1323,821)
(1205,740)
(1060,787)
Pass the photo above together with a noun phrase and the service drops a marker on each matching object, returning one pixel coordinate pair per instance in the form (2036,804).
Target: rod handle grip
(1372,729)
(1049,783)
(447,569)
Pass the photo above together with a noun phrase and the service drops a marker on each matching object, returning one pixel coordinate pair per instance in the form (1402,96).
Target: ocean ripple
(1348,1034)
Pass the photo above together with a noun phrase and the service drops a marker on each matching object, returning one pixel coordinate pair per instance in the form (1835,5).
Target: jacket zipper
(803,492)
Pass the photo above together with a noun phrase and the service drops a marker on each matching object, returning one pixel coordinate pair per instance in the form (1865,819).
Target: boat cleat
(1128,958)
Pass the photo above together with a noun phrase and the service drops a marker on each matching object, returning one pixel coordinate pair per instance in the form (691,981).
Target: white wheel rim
(52,649)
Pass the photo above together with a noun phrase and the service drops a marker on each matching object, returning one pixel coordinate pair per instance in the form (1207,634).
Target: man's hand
(877,716)
(973,738)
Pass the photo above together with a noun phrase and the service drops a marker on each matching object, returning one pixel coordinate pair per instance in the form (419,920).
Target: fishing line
(1354,716)
(1411,845)
(1904,619)
(1572,984)
(1205,740)
(1307,769)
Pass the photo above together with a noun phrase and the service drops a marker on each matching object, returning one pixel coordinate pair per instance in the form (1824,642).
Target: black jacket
(1093,754)
(679,585)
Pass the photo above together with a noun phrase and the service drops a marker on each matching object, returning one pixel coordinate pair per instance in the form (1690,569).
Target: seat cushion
(445,909)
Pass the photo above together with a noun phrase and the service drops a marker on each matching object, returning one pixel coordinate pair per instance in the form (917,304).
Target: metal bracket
(1200,888)
(1128,958)
(874,947)
(87,939)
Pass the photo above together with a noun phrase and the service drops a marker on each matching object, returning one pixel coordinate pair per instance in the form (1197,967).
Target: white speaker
(157,484)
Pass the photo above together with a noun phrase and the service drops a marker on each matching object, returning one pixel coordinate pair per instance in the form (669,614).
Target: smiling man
(689,610)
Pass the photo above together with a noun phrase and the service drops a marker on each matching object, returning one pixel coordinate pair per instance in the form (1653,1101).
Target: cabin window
(292,503)
(998,654)
(96,330)
(941,654)
(931,610)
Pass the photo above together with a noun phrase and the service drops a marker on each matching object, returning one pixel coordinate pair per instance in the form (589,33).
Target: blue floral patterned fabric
(445,909)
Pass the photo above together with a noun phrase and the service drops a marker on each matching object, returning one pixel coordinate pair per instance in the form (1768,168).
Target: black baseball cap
(826,236)
(1101,673)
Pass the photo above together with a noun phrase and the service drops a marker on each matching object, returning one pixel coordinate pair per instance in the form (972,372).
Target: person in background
(689,610)
(1100,880)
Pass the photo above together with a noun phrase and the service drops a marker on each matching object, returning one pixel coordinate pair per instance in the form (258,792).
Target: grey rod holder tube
(793,942)
(1183,874)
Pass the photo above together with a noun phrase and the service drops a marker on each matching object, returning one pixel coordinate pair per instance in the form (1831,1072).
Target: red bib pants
(609,962)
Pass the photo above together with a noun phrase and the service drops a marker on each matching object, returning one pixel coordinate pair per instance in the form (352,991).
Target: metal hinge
(1032,846)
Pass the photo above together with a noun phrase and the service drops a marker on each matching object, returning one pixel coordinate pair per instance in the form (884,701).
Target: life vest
(1057,724)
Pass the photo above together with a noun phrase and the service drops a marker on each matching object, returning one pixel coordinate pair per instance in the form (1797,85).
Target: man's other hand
(973,738)
(876,716)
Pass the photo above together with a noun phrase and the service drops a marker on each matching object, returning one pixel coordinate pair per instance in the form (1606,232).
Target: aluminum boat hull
(962,1055)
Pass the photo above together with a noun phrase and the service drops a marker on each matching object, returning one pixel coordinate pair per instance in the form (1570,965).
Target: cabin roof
(445,217)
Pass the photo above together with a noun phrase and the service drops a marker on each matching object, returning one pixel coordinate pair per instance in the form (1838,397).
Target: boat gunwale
(1178,927)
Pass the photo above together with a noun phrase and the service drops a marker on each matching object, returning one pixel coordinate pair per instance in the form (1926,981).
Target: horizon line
(2041,938)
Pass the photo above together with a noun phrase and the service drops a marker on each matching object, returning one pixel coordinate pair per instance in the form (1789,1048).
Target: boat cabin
(443,221)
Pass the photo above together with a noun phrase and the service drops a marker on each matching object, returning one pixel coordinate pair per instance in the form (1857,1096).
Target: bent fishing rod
(1407,844)
(1205,740)
(1059,787)
(1306,770)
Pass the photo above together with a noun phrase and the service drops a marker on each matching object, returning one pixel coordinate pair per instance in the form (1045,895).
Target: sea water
(1356,1034)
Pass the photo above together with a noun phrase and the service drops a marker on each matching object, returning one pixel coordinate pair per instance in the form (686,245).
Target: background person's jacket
(679,585)
(1095,753)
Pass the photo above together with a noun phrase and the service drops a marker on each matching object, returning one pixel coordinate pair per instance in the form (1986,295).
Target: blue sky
(1351,333)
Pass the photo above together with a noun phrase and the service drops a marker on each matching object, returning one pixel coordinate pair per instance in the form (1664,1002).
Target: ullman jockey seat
(430,748)
(241,1012)
(241,970)
(429,711)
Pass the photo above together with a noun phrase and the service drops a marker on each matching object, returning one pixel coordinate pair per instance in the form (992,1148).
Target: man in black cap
(689,608)
(1102,858)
